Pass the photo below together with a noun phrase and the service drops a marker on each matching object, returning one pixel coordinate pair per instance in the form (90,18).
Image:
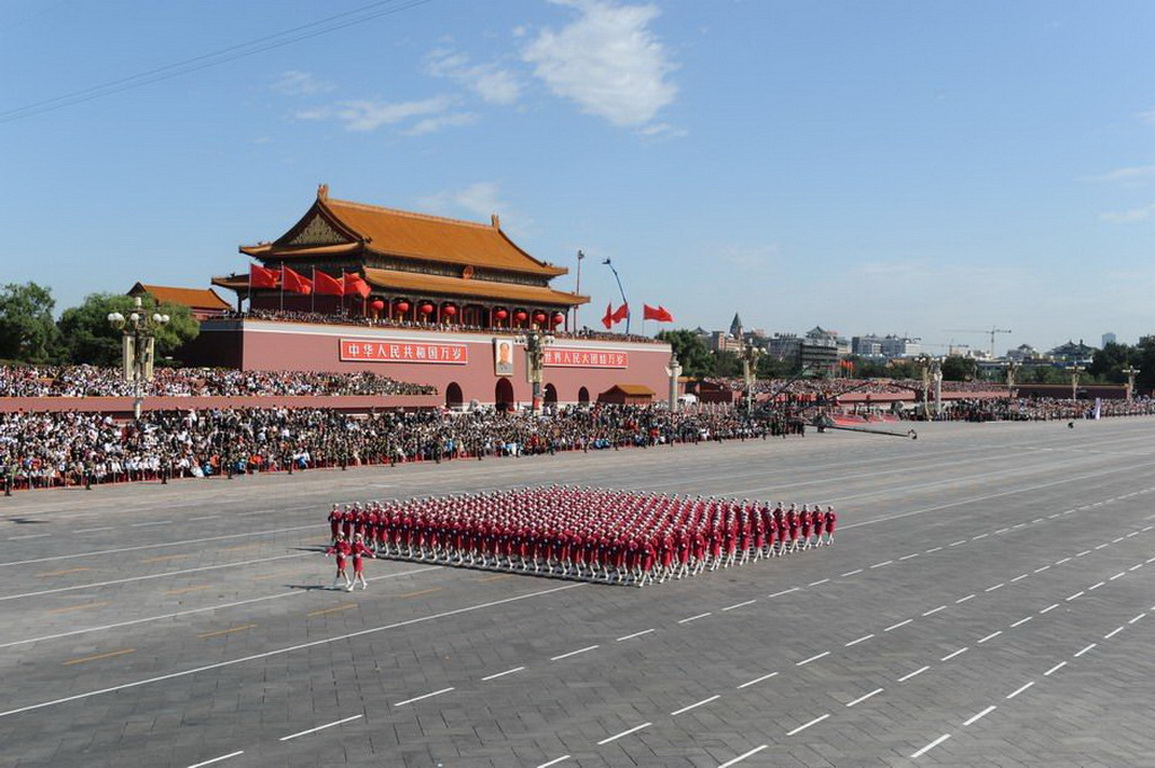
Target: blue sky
(924,168)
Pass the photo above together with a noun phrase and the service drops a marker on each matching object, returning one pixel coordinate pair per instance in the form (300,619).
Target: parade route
(988,601)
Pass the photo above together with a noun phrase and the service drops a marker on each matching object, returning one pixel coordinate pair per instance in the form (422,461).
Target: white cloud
(1148,116)
(492,83)
(1129,216)
(1129,175)
(434,124)
(608,61)
(367,115)
(478,201)
(296,83)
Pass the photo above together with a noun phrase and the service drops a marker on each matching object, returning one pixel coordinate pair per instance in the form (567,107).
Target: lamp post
(673,370)
(139,347)
(750,355)
(535,343)
(622,291)
(1131,372)
(1012,367)
(1075,371)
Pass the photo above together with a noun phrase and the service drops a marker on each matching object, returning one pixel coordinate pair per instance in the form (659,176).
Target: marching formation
(595,534)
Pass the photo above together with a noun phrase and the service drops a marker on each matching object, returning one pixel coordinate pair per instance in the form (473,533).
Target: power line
(232,53)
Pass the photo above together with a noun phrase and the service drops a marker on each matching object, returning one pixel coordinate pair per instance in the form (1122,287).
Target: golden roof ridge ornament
(322,192)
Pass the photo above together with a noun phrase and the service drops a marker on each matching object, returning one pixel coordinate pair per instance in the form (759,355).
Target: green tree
(727,365)
(27,331)
(1110,361)
(770,367)
(958,368)
(691,351)
(89,338)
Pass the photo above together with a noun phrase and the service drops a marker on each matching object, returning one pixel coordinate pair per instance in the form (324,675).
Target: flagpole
(313,294)
(577,289)
(282,287)
(610,264)
(250,288)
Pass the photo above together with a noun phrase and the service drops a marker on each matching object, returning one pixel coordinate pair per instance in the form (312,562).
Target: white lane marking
(1021,622)
(1118,575)
(951,655)
(1135,567)
(862,639)
(980,536)
(957,543)
(899,624)
(1084,553)
(964,599)
(1002,530)
(1054,669)
(617,736)
(100,528)
(290,649)
(423,696)
(783,592)
(738,605)
(918,671)
(804,662)
(155,522)
(1102,545)
(555,761)
(933,549)
(758,680)
(695,618)
(802,728)
(1052,517)
(1020,577)
(574,653)
(933,611)
(1137,618)
(1076,595)
(321,727)
(816,583)
(217,759)
(1000,585)
(1050,607)
(884,562)
(29,536)
(852,573)
(1150,560)
(930,746)
(980,715)
(1093,587)
(861,699)
(197,519)
(502,674)
(1089,647)
(991,636)
(1113,632)
(1132,533)
(1017,527)
(908,557)
(1116,541)
(1036,520)
(1044,568)
(1064,560)
(695,705)
(742,756)
(636,634)
(1020,689)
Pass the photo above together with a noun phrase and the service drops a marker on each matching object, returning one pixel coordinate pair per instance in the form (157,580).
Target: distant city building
(1108,338)
(901,346)
(783,346)
(1073,354)
(1024,353)
(866,346)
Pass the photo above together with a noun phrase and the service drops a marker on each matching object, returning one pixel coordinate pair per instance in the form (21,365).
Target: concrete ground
(990,601)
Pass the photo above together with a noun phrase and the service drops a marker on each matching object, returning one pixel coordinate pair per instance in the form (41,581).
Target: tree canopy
(89,338)
(27,330)
(691,352)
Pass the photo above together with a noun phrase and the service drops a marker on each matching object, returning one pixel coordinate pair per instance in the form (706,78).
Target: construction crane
(988,331)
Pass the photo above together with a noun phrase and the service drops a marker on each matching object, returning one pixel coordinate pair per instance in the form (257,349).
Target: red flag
(608,320)
(325,285)
(259,277)
(622,313)
(354,283)
(661,314)
(295,283)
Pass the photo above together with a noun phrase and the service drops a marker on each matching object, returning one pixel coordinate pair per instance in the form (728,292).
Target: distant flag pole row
(321,283)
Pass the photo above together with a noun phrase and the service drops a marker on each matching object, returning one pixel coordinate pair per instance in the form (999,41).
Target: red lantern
(539,317)
(449,311)
(558,319)
(520,316)
(501,314)
(377,305)
(426,309)
(403,307)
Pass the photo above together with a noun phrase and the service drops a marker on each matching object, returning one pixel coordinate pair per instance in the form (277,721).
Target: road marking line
(862,639)
(899,624)
(951,655)
(980,536)
(855,572)
(1021,622)
(784,592)
(1135,567)
(919,671)
(217,759)
(693,706)
(1052,517)
(29,536)
(737,759)
(1054,669)
(636,634)
(143,525)
(94,530)
(1020,690)
(695,618)
(321,727)
(958,543)
(1002,530)
(185,590)
(1116,541)
(555,761)
(1132,533)
(1101,546)
(574,653)
(1000,585)
(802,728)
(1017,527)
(1064,560)
(422,592)
(1089,647)
(501,674)
(931,746)
(323,611)
(1093,587)
(78,607)
(884,562)
(738,605)
(804,662)
(964,599)
(617,736)
(424,696)
(861,699)
(908,557)
(991,636)
(933,549)
(1132,621)
(98,656)
(202,517)
(933,611)
(1020,577)
(816,583)
(1113,632)
(1076,596)
(976,717)
(1044,568)
(1050,607)
(758,680)
(64,572)
(229,631)
(1036,520)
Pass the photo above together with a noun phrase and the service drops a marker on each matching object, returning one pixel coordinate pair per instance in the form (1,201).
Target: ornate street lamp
(535,343)
(139,347)
(1131,372)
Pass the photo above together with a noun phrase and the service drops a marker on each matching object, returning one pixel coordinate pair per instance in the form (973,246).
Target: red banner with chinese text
(364,351)
(585,358)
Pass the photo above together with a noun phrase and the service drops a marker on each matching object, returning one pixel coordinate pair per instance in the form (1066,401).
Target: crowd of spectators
(93,381)
(1046,409)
